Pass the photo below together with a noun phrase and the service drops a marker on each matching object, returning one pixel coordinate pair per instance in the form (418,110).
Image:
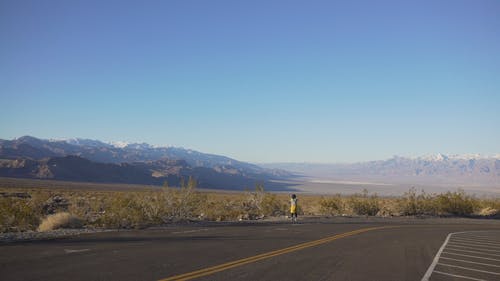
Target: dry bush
(17,214)
(259,204)
(252,205)
(363,204)
(490,204)
(272,206)
(183,203)
(488,212)
(222,209)
(413,204)
(137,209)
(456,203)
(333,205)
(59,220)
(120,211)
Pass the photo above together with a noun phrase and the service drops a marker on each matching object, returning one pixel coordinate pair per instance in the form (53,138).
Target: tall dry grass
(59,220)
(138,209)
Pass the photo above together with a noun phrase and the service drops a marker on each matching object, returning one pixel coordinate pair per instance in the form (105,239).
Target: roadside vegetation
(44,209)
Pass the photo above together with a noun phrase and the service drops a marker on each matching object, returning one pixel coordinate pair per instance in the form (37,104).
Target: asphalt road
(354,249)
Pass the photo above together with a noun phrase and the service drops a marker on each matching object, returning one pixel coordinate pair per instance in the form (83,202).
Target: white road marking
(477,239)
(480,236)
(474,248)
(69,251)
(459,276)
(475,243)
(476,257)
(478,246)
(458,243)
(473,262)
(436,259)
(451,248)
(468,268)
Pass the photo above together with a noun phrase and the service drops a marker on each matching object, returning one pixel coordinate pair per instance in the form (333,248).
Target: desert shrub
(493,203)
(252,205)
(488,212)
(122,211)
(333,205)
(363,204)
(259,203)
(222,210)
(137,209)
(59,220)
(272,206)
(153,207)
(411,203)
(183,203)
(456,203)
(489,207)
(17,214)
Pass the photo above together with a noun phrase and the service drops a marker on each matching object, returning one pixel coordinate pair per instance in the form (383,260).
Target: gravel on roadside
(62,233)
(54,234)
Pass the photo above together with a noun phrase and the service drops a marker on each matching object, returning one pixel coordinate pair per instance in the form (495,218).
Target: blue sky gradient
(260,81)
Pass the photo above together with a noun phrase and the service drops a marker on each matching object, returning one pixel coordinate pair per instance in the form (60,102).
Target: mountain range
(439,168)
(140,163)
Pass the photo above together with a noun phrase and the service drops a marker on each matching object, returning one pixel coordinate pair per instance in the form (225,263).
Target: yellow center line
(236,263)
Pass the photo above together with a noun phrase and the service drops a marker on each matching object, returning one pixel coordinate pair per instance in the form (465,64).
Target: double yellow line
(232,264)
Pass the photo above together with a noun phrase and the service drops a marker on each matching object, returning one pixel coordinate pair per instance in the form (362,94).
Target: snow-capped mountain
(438,168)
(118,144)
(78,141)
(93,160)
(114,152)
(443,157)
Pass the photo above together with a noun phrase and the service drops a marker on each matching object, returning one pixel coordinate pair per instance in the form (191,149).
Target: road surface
(316,249)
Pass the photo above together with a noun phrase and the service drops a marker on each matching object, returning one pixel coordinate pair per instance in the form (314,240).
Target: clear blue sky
(260,81)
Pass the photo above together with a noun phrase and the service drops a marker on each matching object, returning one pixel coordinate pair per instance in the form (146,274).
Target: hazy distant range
(84,160)
(472,173)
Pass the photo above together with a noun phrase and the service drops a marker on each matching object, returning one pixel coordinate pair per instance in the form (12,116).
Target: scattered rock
(33,235)
(23,195)
(55,204)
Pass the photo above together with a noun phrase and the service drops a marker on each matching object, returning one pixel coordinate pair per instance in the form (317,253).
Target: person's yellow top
(293,205)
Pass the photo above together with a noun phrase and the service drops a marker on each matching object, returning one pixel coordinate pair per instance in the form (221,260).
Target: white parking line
(473,262)
(459,276)
(468,248)
(468,268)
(476,257)
(474,243)
(477,239)
(474,248)
(451,248)
(478,246)
(429,271)
(479,236)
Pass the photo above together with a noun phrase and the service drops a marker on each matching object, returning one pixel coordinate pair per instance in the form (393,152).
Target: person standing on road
(293,208)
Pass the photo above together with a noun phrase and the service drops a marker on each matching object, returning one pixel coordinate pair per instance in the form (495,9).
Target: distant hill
(460,169)
(95,150)
(96,161)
